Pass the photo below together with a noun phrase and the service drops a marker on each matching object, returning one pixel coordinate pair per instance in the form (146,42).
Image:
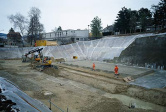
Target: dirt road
(81,91)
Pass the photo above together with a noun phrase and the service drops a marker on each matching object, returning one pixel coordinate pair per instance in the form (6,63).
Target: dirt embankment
(150,95)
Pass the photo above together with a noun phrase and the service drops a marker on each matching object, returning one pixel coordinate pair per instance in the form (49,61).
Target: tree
(19,21)
(35,27)
(159,12)
(133,20)
(59,28)
(96,27)
(144,18)
(122,23)
(156,20)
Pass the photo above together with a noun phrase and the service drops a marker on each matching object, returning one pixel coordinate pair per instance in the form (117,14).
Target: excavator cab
(38,57)
(47,61)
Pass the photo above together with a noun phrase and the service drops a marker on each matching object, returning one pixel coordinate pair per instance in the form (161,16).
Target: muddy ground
(82,90)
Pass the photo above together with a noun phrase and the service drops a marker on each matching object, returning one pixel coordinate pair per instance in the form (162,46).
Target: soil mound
(111,105)
(52,71)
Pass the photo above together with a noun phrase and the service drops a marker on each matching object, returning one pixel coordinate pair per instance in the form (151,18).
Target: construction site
(63,79)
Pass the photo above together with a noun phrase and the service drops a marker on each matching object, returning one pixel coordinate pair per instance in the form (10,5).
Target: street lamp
(88,30)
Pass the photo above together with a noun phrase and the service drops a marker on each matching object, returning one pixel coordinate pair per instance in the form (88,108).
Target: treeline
(131,21)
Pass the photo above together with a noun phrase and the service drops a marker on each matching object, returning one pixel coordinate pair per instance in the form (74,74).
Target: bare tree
(19,21)
(55,29)
(34,11)
(35,27)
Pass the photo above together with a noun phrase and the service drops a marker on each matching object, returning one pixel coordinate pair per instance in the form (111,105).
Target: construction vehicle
(46,43)
(39,62)
(36,57)
(45,63)
(75,57)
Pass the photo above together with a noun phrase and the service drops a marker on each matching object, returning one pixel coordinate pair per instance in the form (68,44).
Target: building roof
(108,28)
(10,34)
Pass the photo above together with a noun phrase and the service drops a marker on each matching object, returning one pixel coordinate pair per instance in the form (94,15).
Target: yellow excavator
(38,61)
(37,57)
(46,65)
(46,62)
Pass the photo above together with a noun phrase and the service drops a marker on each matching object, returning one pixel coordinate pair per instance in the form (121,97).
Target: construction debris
(128,79)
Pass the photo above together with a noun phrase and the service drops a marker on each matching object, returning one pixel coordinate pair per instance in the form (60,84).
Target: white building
(74,35)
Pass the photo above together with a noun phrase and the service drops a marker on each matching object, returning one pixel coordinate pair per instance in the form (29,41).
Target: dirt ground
(77,90)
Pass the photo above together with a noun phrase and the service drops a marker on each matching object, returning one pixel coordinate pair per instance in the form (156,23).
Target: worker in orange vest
(116,71)
(93,66)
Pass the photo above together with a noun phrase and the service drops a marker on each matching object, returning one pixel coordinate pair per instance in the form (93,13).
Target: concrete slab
(155,80)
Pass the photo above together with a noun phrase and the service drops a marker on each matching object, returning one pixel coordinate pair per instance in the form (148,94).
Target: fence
(56,106)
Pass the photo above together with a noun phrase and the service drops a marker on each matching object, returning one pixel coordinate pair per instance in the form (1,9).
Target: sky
(69,14)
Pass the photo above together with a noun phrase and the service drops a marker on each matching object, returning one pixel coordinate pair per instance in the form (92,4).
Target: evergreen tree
(59,28)
(96,27)
(144,18)
(133,20)
(160,14)
(122,23)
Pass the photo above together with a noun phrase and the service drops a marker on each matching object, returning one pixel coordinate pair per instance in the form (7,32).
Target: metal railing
(56,106)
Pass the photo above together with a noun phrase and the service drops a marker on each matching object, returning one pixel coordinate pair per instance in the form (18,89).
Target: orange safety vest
(116,69)
(93,66)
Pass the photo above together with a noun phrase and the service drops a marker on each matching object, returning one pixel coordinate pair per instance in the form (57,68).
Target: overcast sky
(69,14)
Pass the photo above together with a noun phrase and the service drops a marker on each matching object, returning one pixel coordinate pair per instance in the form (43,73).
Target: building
(108,30)
(14,38)
(153,28)
(67,35)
